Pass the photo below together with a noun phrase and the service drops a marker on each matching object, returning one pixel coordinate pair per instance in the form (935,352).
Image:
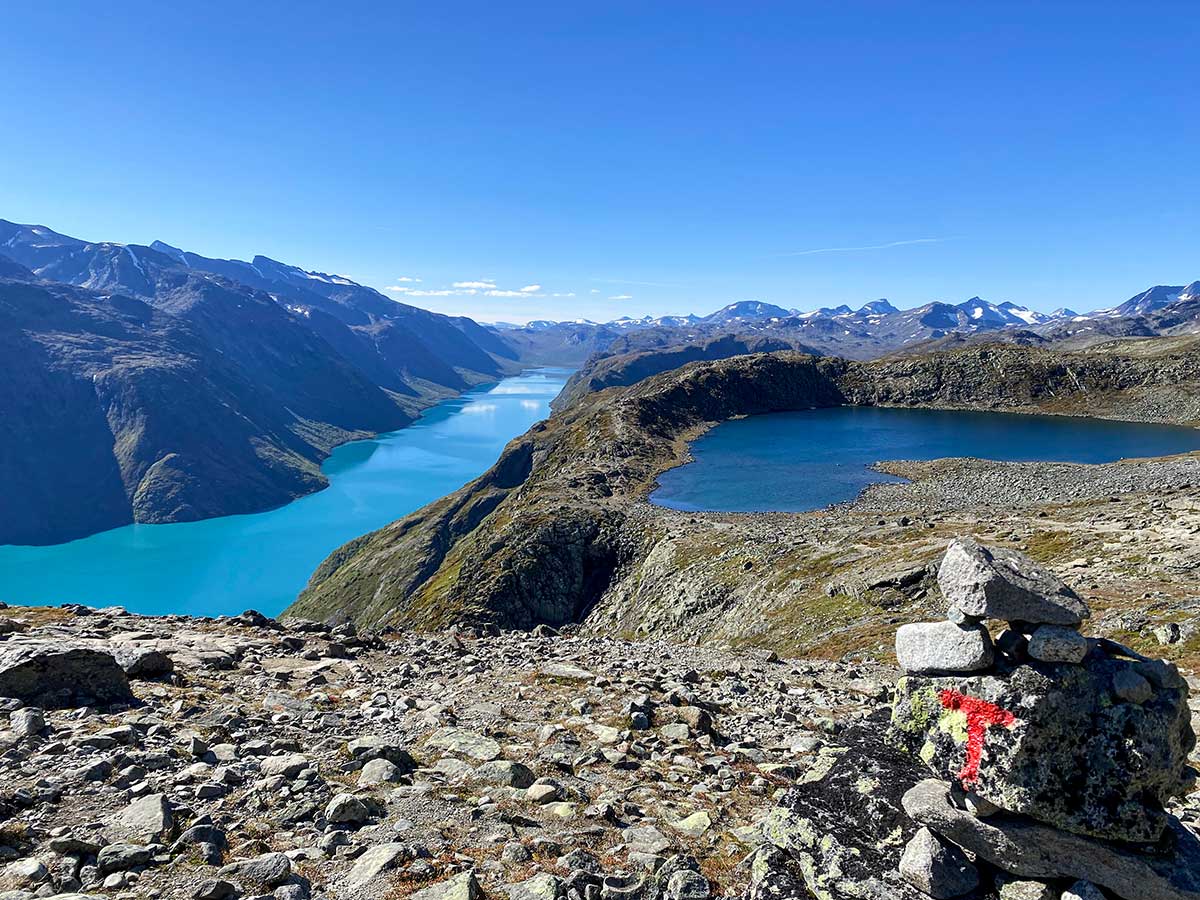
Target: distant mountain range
(878,327)
(149,383)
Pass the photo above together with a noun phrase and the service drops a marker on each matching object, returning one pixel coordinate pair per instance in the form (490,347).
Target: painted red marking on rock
(981,716)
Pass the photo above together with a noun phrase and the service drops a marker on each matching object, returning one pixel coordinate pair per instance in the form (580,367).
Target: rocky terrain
(244,757)
(560,529)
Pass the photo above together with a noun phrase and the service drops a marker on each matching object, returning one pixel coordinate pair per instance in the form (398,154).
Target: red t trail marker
(981,716)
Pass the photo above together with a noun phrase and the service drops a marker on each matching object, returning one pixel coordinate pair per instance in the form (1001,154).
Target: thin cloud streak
(640,283)
(886,246)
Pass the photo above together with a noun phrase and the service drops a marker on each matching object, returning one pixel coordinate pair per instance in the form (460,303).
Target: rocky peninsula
(560,531)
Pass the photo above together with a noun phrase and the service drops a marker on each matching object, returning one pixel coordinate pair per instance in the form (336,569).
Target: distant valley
(155,384)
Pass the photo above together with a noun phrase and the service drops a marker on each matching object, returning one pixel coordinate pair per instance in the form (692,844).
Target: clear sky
(620,157)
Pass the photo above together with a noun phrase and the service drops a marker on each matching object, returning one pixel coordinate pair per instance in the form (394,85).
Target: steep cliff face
(116,411)
(572,536)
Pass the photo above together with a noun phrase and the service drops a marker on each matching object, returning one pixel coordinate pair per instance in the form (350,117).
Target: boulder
(143,662)
(937,867)
(997,583)
(1057,643)
(269,870)
(54,675)
(149,818)
(460,887)
(1053,741)
(379,771)
(378,860)
(1030,849)
(943,647)
(465,743)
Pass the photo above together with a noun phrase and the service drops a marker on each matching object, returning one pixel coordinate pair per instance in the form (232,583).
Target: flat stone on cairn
(943,647)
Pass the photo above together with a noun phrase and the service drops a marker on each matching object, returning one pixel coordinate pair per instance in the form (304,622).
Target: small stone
(460,887)
(346,809)
(1057,643)
(288,765)
(1027,890)
(27,721)
(269,870)
(378,860)
(1131,687)
(1083,890)
(943,647)
(937,867)
(379,771)
(214,889)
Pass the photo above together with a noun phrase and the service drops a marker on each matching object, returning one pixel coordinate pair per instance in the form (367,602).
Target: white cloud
(497,292)
(404,278)
(531,289)
(622,297)
(595,290)
(480,285)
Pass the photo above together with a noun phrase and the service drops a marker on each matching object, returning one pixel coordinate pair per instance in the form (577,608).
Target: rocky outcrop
(572,534)
(53,675)
(1038,793)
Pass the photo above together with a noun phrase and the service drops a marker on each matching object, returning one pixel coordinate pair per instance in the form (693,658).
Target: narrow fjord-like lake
(262,561)
(799,461)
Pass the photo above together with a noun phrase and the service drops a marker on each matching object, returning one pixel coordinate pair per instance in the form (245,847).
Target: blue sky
(625,158)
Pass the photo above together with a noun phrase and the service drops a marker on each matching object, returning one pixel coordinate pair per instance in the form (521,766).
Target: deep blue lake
(798,461)
(262,561)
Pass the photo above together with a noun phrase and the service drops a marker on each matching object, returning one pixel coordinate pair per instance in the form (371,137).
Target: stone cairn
(1054,754)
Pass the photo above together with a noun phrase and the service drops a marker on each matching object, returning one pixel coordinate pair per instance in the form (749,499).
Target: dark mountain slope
(120,412)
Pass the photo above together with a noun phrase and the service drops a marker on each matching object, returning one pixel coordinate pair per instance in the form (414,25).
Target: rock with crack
(843,835)
(1029,849)
(1055,742)
(54,675)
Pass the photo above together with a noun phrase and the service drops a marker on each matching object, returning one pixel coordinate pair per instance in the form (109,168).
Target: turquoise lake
(798,461)
(262,561)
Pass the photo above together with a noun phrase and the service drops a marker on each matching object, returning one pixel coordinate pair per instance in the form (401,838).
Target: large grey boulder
(377,860)
(997,583)
(54,675)
(269,870)
(1030,849)
(150,818)
(943,647)
(459,887)
(1055,742)
(139,661)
